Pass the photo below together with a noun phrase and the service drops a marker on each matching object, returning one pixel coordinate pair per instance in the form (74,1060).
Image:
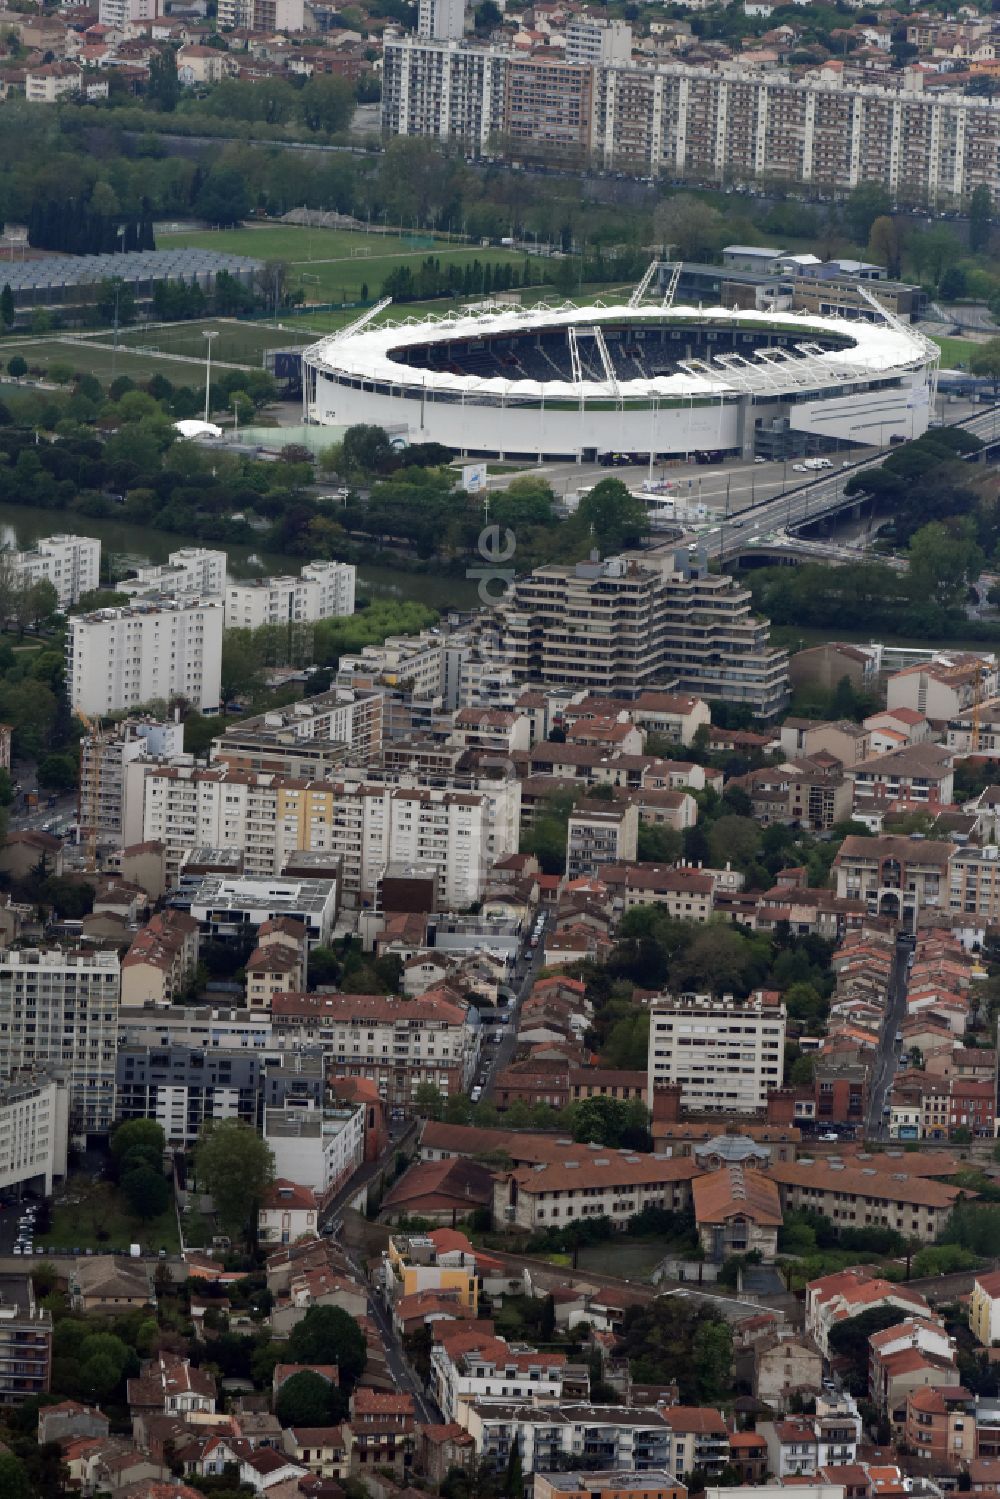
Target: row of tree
(76,227)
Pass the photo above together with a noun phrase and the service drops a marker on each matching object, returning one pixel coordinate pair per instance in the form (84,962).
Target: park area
(338,265)
(94,1215)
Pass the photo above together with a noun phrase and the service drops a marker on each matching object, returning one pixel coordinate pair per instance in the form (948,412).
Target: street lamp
(209,334)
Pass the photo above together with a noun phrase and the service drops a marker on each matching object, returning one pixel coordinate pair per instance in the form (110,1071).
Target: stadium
(588,382)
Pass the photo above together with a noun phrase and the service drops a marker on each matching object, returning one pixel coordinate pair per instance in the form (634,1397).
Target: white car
(760,460)
(799,468)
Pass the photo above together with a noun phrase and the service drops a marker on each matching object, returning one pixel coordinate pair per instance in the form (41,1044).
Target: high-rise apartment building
(364,825)
(322,590)
(120,658)
(34,1131)
(263,15)
(103,761)
(709,124)
(441,20)
(725,1054)
(72,564)
(119,13)
(629,623)
(189,570)
(594,40)
(60,1010)
(308,738)
(25,1341)
(185,1087)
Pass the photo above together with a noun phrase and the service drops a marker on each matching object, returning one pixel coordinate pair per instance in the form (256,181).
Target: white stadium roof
(362,352)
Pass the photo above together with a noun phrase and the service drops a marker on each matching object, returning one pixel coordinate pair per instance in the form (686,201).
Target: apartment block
(185,1087)
(233,907)
(397,1043)
(161,959)
(726,1054)
(104,757)
(593,40)
(189,570)
(598,832)
(625,625)
(322,590)
(121,658)
(309,738)
(945,686)
(267,16)
(432,1263)
(441,20)
(25,1341)
(634,1484)
(709,124)
(916,772)
(895,876)
(34,1131)
(60,1010)
(319,1146)
(72,564)
(984,1308)
(366,826)
(548,1437)
(475,1365)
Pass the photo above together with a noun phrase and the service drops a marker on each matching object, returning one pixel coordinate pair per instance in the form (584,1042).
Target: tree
(885,244)
(713,960)
(488,18)
(985,361)
(327,103)
(368,448)
(713,1355)
(614,516)
(688,228)
(138,1141)
(428,1101)
(513,1478)
(146,1191)
(242,664)
(236,1166)
(307,1399)
(223,198)
(943,563)
(980,219)
(17,367)
(57,773)
(163,88)
(7,313)
(866,203)
(327,1335)
(13,1477)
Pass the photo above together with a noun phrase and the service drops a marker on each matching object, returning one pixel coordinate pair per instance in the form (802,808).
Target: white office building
(60,1010)
(72,564)
(594,41)
(120,658)
(316,1146)
(34,1131)
(725,1054)
(190,570)
(441,20)
(323,590)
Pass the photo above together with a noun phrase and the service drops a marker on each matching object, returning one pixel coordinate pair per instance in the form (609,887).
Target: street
(493,1059)
(884,1070)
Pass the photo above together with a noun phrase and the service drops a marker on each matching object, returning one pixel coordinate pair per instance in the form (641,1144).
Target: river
(136,545)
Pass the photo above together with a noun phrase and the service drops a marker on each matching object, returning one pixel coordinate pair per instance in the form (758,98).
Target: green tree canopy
(307,1399)
(236,1166)
(327,1335)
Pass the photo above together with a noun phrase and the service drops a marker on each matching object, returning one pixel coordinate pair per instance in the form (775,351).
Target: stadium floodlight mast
(209,334)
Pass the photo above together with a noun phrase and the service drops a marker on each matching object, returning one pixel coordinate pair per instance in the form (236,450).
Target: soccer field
(234,343)
(338,265)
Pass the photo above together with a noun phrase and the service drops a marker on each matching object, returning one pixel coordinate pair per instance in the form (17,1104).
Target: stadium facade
(568,381)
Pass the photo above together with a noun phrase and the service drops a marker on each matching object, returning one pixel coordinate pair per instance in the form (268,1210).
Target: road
(884,1069)
(404,1378)
(525,972)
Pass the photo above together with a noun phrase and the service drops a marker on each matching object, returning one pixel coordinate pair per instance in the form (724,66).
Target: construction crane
(95,733)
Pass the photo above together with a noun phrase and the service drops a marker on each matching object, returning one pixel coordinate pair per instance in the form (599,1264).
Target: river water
(135,545)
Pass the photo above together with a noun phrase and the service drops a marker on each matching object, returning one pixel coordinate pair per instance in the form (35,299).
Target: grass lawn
(628,1259)
(956,351)
(93,1215)
(236,343)
(334,265)
(41,354)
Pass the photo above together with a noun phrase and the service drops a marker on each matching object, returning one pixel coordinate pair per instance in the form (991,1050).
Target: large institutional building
(709,124)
